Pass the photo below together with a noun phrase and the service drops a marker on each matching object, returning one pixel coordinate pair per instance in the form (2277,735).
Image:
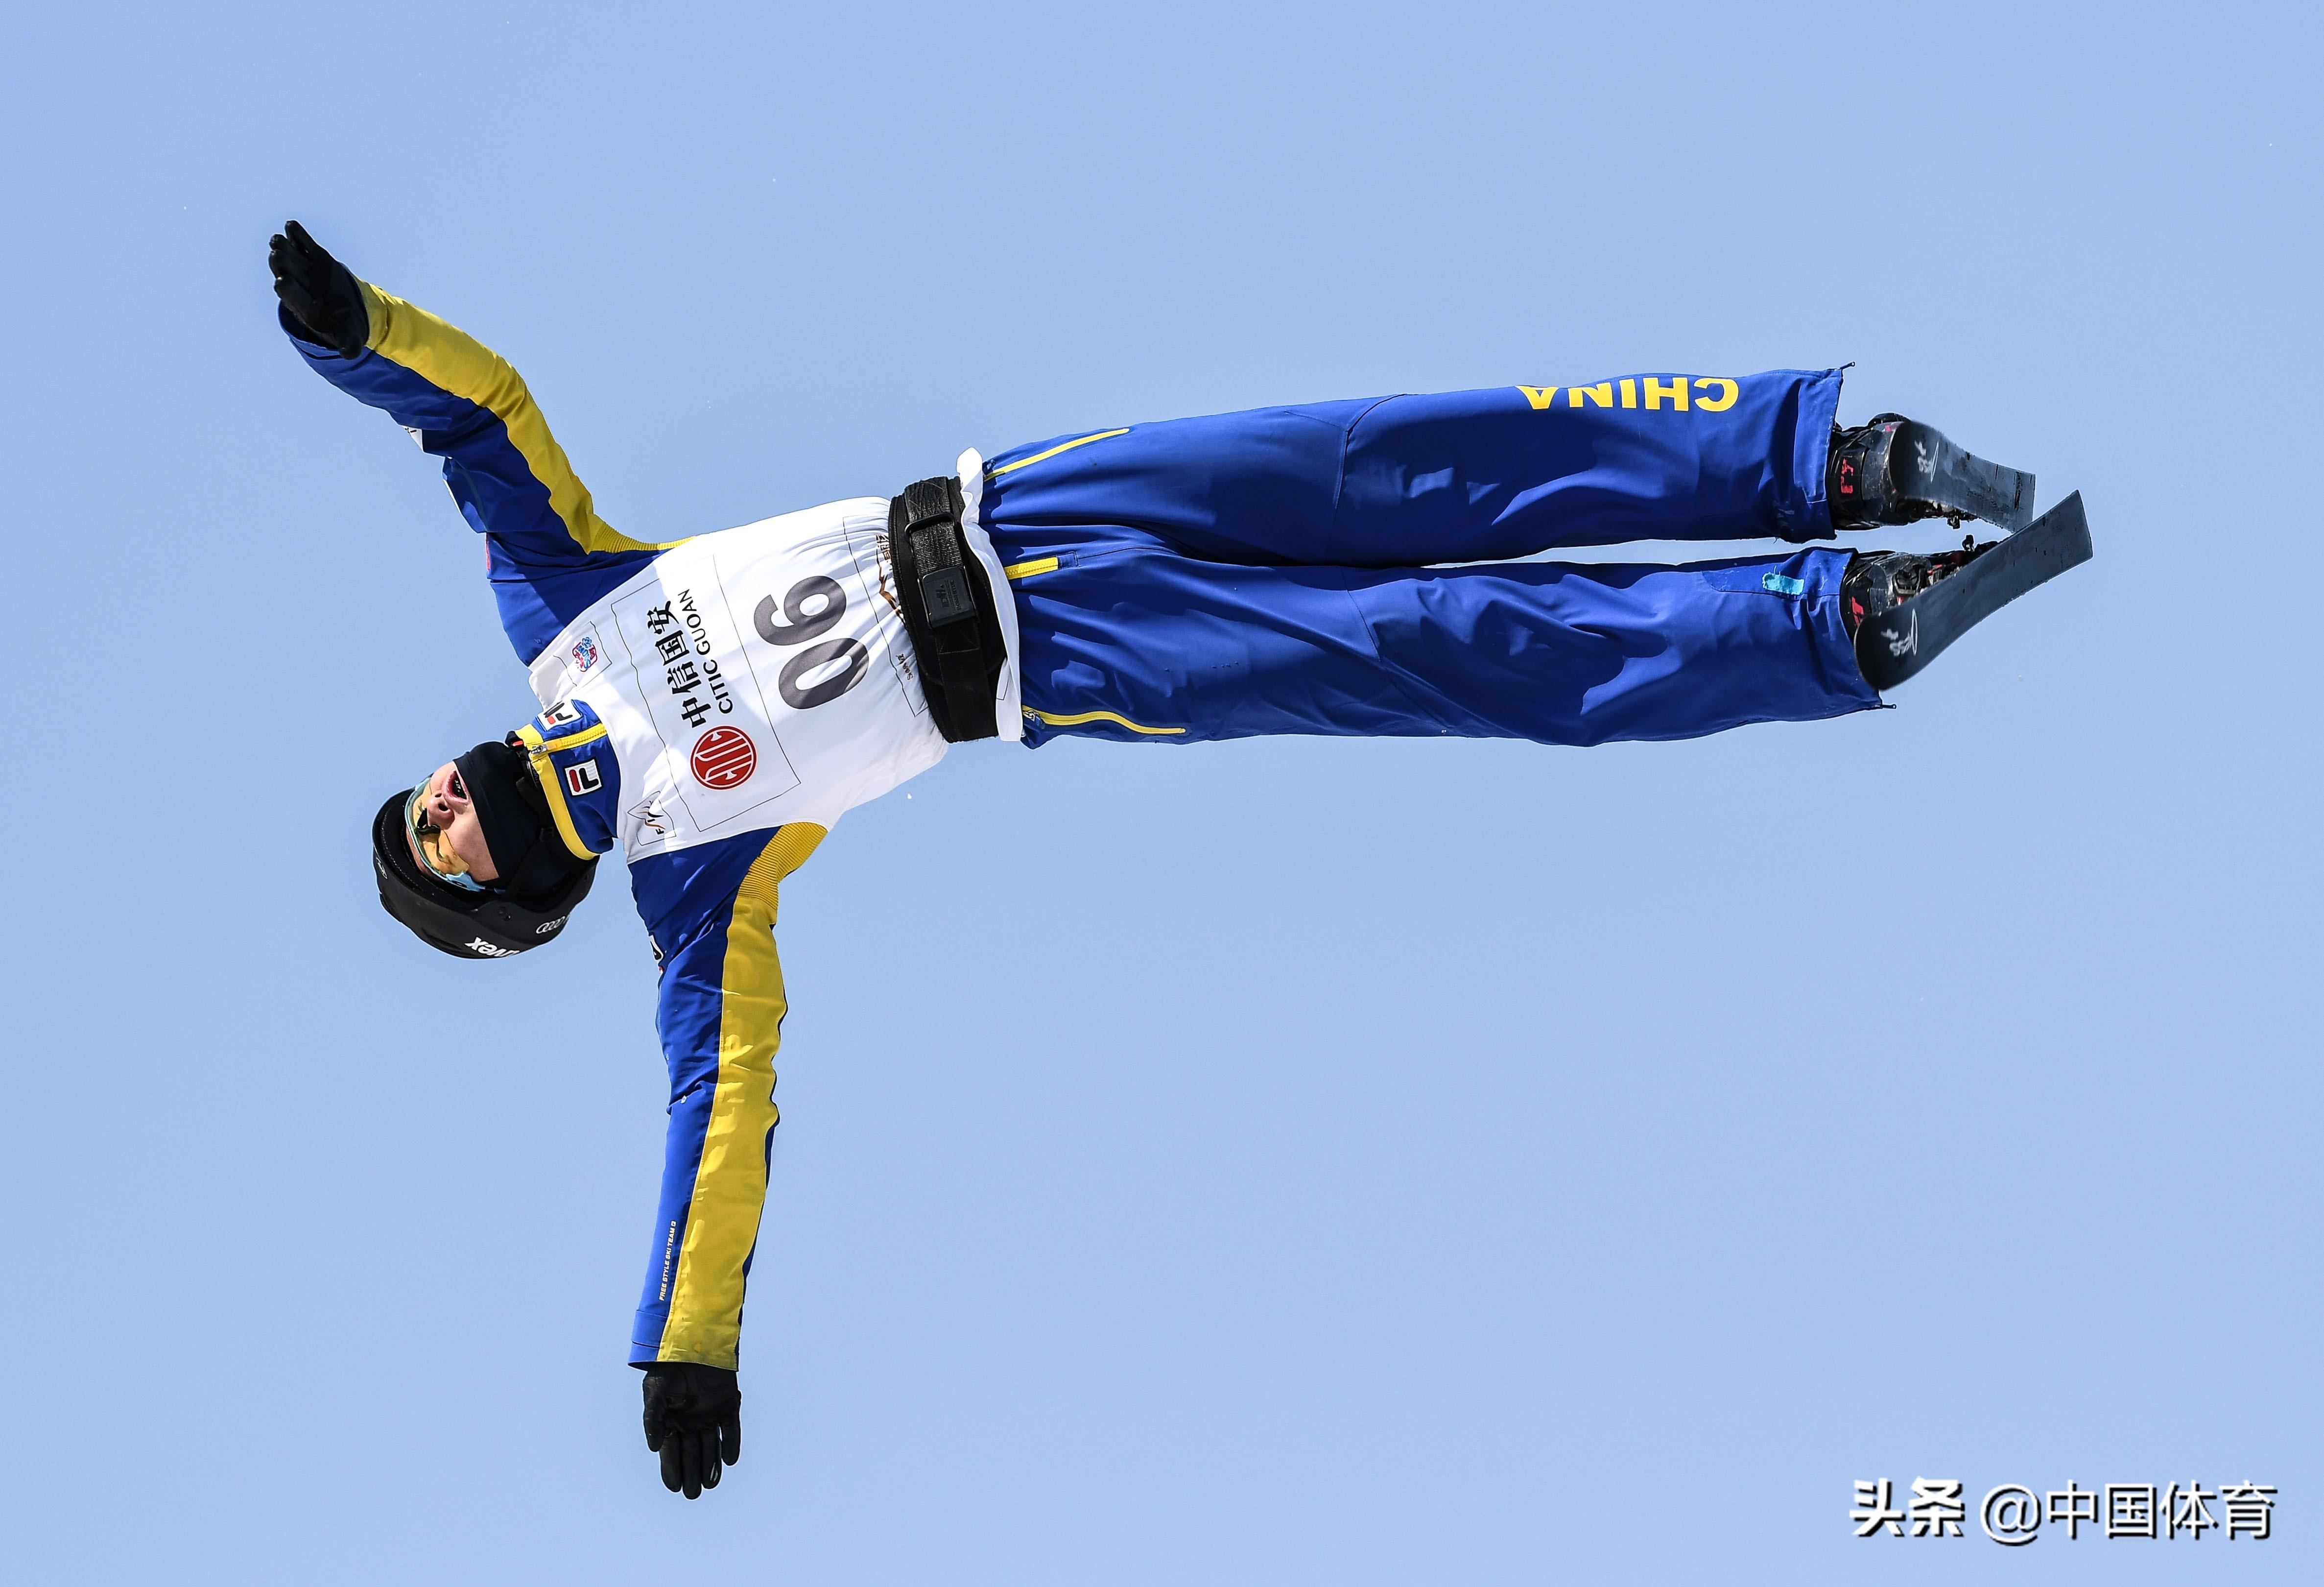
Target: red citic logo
(724,757)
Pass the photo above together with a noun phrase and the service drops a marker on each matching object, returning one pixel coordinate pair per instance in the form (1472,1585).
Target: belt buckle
(946,597)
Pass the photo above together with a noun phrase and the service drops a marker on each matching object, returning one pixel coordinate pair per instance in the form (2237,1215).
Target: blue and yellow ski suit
(1334,568)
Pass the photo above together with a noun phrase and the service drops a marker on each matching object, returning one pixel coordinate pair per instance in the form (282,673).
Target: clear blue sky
(1330,1161)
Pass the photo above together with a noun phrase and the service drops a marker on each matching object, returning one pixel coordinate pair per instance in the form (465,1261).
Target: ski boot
(1895,470)
(1878,582)
(1902,608)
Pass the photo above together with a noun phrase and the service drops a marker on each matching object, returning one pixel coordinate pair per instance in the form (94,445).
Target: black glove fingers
(694,1420)
(300,260)
(308,249)
(657,1412)
(287,270)
(320,292)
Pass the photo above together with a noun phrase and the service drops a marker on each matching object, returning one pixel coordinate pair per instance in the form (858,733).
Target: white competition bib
(751,678)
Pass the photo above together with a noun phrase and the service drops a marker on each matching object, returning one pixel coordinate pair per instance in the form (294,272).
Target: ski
(1929,467)
(1898,644)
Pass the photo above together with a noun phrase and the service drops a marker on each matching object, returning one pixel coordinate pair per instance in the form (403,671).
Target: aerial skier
(712,705)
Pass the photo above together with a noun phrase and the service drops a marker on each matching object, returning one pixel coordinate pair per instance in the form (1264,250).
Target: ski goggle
(428,844)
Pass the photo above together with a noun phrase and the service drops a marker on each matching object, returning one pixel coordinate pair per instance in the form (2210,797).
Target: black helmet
(536,891)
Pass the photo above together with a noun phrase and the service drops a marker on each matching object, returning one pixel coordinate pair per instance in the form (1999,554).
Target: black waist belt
(947,609)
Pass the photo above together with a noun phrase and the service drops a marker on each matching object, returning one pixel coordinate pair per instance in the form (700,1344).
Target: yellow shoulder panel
(552,785)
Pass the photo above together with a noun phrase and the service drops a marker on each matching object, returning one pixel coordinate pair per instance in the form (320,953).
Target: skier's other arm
(721,1013)
(551,556)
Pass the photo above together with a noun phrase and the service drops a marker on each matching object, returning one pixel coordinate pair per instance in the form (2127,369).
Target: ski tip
(1953,479)
(2003,497)
(2068,527)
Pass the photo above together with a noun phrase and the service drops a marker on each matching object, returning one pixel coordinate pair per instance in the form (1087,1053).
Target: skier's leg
(1463,476)
(1514,471)
(1588,654)
(1135,642)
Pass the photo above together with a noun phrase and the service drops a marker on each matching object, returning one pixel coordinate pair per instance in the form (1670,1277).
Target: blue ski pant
(1348,567)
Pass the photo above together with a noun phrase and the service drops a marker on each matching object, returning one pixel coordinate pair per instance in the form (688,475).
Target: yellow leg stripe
(730,1185)
(449,358)
(1027,570)
(1101,716)
(1053,451)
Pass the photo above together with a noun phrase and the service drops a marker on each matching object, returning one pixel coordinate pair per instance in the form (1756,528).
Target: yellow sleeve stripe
(1053,451)
(730,1186)
(1027,570)
(553,784)
(1101,716)
(450,359)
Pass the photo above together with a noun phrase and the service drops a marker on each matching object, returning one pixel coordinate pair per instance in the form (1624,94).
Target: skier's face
(450,835)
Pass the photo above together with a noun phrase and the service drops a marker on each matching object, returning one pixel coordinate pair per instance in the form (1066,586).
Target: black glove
(693,1418)
(319,292)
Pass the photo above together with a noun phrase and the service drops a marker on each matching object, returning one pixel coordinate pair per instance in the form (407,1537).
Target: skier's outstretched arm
(721,1016)
(551,554)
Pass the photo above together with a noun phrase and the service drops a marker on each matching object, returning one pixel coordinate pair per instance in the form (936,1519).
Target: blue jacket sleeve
(550,556)
(712,911)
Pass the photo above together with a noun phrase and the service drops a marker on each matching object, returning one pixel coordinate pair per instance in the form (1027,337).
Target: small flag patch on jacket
(583,778)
